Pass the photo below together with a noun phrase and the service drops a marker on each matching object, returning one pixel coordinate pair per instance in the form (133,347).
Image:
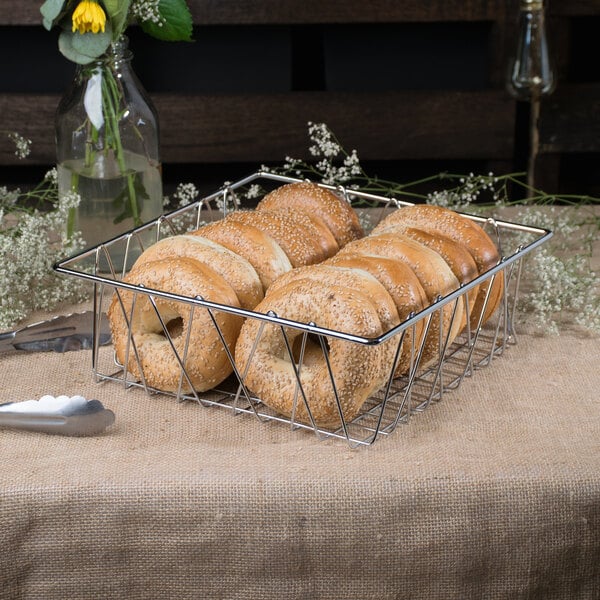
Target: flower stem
(72,211)
(111,94)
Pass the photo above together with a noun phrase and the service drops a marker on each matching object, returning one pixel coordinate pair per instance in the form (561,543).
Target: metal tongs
(59,334)
(89,418)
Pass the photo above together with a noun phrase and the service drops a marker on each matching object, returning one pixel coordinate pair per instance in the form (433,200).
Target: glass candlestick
(531,74)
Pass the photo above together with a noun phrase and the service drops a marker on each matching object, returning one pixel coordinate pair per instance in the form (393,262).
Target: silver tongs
(59,334)
(90,418)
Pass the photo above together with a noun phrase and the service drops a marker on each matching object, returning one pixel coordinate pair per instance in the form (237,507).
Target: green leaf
(93,44)
(117,12)
(112,6)
(177,22)
(125,200)
(50,10)
(84,48)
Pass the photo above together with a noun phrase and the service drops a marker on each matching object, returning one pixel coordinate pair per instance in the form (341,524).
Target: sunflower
(89,16)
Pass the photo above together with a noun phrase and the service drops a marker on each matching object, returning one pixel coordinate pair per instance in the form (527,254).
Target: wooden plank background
(252,12)
(480,125)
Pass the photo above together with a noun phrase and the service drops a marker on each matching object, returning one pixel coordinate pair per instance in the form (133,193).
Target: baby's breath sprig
(22,144)
(184,194)
(561,286)
(334,165)
(147,11)
(33,236)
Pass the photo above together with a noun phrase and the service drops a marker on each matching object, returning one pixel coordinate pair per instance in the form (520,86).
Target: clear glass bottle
(531,74)
(107,144)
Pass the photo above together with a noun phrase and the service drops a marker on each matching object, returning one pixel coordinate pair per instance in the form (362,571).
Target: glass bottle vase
(107,145)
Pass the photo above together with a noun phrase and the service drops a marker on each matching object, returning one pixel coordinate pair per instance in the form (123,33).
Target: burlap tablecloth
(492,493)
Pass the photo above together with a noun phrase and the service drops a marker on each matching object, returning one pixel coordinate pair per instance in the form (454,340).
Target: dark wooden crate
(261,69)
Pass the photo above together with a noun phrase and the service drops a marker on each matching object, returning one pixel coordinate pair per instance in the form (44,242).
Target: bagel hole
(312,350)
(174,327)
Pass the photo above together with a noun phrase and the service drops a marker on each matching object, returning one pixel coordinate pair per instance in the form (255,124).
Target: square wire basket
(400,397)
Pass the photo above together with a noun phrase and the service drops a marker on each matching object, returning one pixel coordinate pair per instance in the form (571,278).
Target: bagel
(350,278)
(300,243)
(405,289)
(203,355)
(313,199)
(441,220)
(358,370)
(456,255)
(235,269)
(316,225)
(258,248)
(433,273)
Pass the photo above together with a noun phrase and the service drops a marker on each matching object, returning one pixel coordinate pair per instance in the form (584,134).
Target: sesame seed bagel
(441,220)
(358,370)
(235,269)
(456,254)
(300,243)
(257,247)
(308,197)
(317,227)
(349,278)
(433,273)
(203,355)
(405,290)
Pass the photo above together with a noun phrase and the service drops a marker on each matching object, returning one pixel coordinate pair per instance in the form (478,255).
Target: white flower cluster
(147,11)
(334,175)
(467,193)
(291,166)
(324,143)
(8,199)
(30,242)
(328,149)
(185,194)
(559,281)
(560,287)
(51,176)
(22,145)
(254,191)
(334,166)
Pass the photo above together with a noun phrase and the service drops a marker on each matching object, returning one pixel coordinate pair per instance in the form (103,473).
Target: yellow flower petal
(88,16)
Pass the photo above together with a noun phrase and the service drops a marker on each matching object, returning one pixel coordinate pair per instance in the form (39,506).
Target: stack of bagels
(302,255)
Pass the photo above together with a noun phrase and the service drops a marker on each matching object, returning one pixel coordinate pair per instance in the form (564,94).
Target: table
(492,493)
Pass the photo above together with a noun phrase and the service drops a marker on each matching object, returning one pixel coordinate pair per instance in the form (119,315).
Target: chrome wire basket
(397,400)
